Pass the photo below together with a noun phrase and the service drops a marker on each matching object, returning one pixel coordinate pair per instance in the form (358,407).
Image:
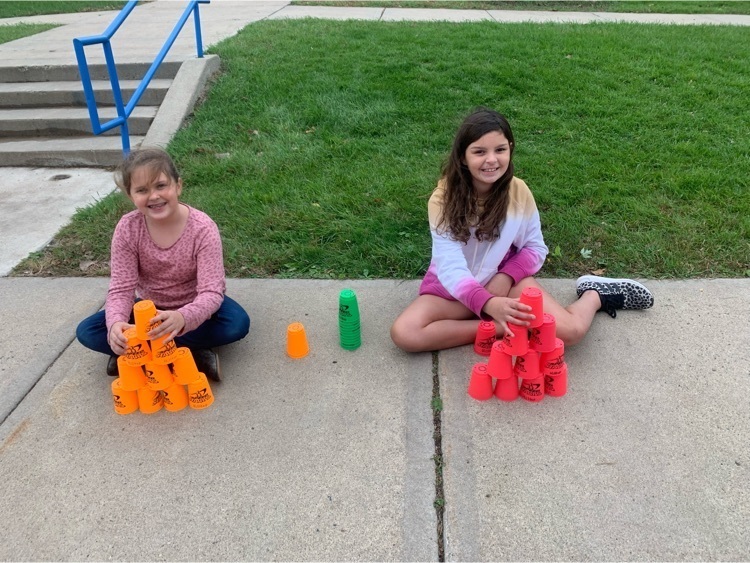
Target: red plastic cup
(532,389)
(527,366)
(556,386)
(552,363)
(532,296)
(480,384)
(507,389)
(486,336)
(518,344)
(500,365)
(542,338)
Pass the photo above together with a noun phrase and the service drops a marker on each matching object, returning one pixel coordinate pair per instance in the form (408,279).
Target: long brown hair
(460,209)
(155,159)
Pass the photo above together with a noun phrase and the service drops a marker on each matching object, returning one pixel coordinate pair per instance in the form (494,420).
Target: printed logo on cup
(135,352)
(532,389)
(200,396)
(167,350)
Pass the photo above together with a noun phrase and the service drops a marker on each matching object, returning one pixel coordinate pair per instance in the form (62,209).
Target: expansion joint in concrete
(437,408)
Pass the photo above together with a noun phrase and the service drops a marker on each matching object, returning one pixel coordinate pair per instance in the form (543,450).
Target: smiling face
(155,194)
(487,159)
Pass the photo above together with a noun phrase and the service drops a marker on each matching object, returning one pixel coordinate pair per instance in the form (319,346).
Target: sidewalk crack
(437,409)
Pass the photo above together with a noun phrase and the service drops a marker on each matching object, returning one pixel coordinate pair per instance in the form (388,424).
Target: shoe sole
(643,298)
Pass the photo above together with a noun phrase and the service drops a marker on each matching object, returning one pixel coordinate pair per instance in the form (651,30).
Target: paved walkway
(331,457)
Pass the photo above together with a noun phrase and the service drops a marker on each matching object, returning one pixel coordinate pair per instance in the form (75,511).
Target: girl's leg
(229,324)
(92,333)
(573,321)
(433,323)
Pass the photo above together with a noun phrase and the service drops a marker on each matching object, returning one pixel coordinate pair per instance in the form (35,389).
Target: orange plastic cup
(480,384)
(486,336)
(149,400)
(199,393)
(542,338)
(158,376)
(532,389)
(143,312)
(507,389)
(138,351)
(131,378)
(183,365)
(533,297)
(552,363)
(500,364)
(175,397)
(518,344)
(527,366)
(296,341)
(125,401)
(163,352)
(556,386)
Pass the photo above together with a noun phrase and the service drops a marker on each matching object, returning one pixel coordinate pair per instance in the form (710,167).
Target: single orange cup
(296,341)
(500,364)
(163,352)
(126,401)
(556,386)
(486,336)
(542,338)
(527,366)
(507,389)
(158,376)
(532,389)
(552,363)
(532,296)
(131,378)
(149,400)
(143,312)
(175,397)
(199,393)
(518,344)
(138,351)
(480,384)
(183,365)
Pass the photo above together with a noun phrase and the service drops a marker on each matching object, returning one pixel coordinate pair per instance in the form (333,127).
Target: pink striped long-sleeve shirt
(187,277)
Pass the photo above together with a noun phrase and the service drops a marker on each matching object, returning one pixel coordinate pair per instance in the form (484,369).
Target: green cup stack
(349,327)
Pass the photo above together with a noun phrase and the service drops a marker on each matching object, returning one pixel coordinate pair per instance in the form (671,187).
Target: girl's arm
(124,276)
(532,251)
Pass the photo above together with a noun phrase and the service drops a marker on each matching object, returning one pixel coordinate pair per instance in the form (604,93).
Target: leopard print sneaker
(616,294)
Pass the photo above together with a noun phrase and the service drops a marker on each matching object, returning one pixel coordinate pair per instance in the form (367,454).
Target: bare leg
(434,323)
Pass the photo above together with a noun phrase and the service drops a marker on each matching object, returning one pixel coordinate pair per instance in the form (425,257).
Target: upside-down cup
(527,366)
(500,364)
(199,392)
(533,297)
(556,386)
(158,376)
(518,344)
(507,389)
(137,351)
(163,351)
(485,338)
(131,377)
(543,337)
(552,363)
(125,401)
(296,341)
(480,384)
(175,397)
(183,366)
(532,389)
(143,312)
(149,400)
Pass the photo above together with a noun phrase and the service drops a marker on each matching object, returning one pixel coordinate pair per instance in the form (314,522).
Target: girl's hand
(171,324)
(506,310)
(116,337)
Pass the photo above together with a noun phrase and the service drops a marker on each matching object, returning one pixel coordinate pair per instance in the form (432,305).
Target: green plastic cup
(349,320)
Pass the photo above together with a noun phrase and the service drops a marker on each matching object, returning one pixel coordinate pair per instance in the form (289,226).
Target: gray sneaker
(207,362)
(616,294)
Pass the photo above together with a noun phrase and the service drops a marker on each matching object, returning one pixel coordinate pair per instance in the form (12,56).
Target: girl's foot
(112,369)
(616,293)
(207,363)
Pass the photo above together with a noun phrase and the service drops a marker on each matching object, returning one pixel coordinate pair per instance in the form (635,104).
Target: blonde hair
(155,159)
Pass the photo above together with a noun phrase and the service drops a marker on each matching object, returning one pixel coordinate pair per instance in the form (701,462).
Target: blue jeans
(229,324)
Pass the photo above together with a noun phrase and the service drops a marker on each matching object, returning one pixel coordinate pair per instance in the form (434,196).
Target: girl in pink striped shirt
(487,245)
(171,254)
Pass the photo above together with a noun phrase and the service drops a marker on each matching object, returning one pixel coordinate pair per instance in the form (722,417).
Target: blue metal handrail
(124,111)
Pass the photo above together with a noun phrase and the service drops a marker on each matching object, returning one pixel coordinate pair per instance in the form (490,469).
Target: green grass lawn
(17,31)
(640,6)
(19,8)
(317,148)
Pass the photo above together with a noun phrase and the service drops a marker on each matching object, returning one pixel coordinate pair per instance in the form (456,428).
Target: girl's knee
(571,334)
(404,336)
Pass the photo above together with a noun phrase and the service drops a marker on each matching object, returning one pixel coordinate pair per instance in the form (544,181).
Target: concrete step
(64,151)
(57,73)
(70,93)
(47,122)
